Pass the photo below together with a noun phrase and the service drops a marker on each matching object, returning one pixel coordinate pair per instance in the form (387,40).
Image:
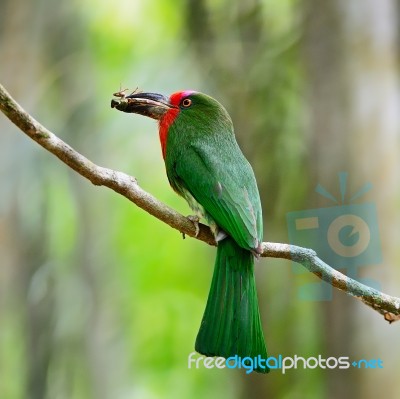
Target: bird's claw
(195,220)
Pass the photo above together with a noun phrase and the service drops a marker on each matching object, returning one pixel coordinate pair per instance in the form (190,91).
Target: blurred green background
(99,299)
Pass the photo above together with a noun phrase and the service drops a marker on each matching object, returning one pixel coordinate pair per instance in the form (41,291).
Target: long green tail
(231,323)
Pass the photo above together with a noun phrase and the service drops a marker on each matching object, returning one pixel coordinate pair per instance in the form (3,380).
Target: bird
(205,165)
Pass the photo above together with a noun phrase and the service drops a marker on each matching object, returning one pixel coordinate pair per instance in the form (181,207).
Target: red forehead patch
(176,98)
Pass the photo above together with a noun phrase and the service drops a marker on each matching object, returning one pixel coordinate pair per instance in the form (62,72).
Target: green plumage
(206,166)
(231,323)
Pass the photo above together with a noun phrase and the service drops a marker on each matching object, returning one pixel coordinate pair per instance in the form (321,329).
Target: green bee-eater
(205,166)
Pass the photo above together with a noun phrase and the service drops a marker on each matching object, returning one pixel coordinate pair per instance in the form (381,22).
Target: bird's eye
(186,103)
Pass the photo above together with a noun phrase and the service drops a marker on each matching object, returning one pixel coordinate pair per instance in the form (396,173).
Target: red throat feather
(169,118)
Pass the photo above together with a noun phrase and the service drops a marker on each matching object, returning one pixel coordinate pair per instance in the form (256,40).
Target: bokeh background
(99,299)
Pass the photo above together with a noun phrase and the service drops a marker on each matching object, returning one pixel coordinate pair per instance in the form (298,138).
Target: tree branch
(127,186)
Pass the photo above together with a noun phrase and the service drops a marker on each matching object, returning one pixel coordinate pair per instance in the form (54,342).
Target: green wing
(222,181)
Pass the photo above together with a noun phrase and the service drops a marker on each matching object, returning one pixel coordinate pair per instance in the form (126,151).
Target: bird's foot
(195,220)
(220,235)
(257,251)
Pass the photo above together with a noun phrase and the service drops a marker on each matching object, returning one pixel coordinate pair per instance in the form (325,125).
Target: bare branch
(127,186)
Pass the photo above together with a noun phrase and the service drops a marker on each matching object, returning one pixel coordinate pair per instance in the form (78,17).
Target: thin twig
(127,186)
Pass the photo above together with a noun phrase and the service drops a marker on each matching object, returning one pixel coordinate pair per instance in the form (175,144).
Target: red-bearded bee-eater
(206,167)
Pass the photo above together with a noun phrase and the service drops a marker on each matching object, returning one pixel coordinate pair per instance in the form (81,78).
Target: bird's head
(188,109)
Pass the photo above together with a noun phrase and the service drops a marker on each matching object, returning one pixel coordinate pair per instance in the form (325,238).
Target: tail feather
(231,323)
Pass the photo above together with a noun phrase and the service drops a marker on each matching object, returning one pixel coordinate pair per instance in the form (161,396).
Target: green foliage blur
(97,298)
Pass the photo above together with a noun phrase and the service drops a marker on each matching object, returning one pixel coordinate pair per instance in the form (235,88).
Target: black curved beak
(152,105)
